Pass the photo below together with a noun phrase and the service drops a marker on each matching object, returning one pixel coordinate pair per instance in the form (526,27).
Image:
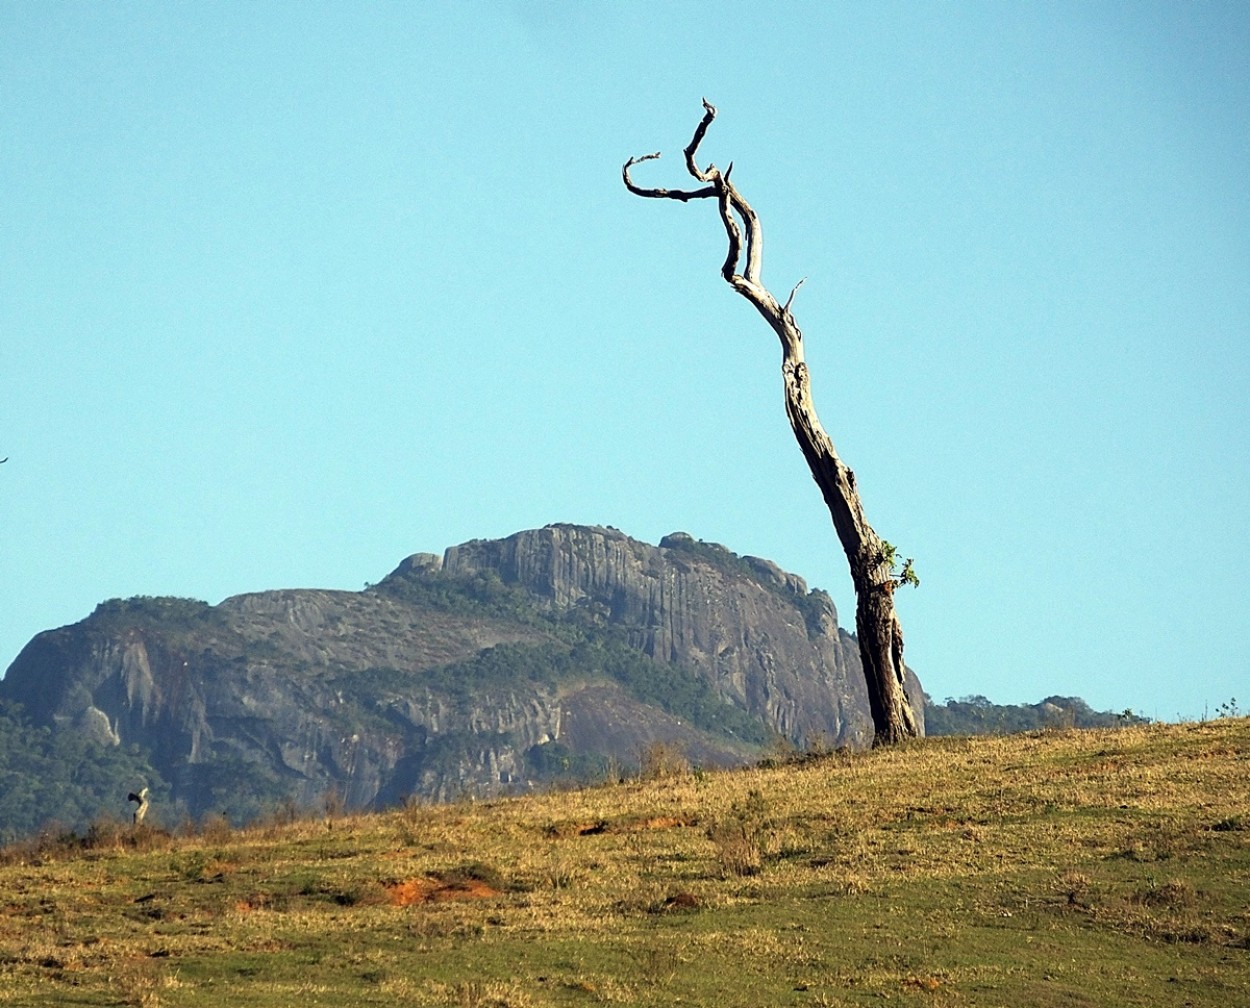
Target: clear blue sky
(289,291)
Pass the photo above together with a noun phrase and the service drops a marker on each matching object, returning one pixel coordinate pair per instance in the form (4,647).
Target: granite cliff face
(753,632)
(502,665)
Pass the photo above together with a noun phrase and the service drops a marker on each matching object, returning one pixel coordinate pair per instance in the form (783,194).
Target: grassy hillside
(1095,868)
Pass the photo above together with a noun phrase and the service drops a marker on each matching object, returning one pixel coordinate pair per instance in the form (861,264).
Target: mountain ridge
(496,667)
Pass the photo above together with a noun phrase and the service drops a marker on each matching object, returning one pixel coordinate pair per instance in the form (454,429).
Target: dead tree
(875,569)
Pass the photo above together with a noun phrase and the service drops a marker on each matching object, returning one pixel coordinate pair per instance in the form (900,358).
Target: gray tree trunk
(872,560)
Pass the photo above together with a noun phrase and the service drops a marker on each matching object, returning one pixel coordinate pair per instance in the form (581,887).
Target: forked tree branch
(790,300)
(816,443)
(733,205)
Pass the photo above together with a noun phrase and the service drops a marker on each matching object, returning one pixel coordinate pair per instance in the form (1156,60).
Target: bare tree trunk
(872,560)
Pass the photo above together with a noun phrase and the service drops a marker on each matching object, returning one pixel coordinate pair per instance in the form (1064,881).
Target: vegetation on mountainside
(604,657)
(482,593)
(65,776)
(582,646)
(713,553)
(168,612)
(1104,868)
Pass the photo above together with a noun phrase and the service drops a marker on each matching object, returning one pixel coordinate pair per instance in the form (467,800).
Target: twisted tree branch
(709,113)
(676,194)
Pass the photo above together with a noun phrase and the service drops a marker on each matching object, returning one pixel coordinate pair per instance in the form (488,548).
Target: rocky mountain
(559,652)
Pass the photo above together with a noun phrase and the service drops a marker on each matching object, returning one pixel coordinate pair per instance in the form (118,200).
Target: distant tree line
(976,715)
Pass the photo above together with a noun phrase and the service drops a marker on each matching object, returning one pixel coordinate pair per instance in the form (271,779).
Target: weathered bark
(871,559)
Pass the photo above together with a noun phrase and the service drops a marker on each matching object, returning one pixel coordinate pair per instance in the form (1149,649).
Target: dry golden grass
(1075,868)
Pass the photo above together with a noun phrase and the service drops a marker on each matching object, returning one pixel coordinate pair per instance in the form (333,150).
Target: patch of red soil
(428,890)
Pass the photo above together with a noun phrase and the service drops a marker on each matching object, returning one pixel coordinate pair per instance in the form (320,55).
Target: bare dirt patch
(429,890)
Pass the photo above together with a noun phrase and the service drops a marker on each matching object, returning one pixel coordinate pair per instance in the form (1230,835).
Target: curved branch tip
(790,299)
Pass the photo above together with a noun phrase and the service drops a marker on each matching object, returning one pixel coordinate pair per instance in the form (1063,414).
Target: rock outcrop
(504,664)
(752,631)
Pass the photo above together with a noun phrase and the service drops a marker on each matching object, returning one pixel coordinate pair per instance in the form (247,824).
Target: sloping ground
(1100,868)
